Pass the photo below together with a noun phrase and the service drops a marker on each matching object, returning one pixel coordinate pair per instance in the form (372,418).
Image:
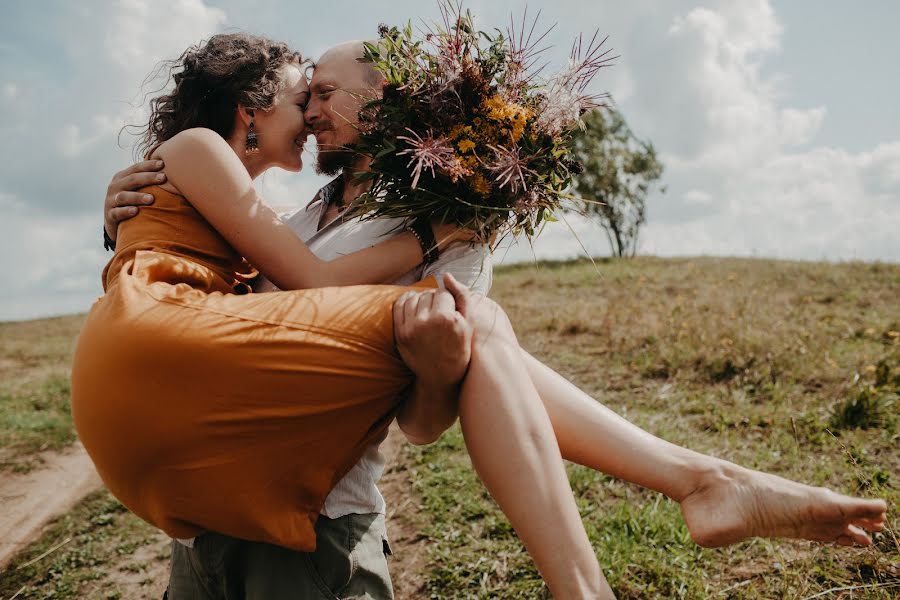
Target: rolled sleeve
(470,265)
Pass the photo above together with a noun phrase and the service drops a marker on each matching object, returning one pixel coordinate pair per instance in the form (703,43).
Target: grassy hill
(788,367)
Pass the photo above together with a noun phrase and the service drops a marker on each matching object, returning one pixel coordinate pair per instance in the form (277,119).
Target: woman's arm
(209,174)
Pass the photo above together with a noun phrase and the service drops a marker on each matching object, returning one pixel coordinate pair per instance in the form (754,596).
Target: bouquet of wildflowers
(468,130)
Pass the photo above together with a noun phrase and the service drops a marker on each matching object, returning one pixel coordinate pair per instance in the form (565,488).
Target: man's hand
(434,339)
(435,342)
(122,201)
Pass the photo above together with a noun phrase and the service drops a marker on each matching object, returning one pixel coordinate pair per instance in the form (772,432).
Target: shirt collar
(333,191)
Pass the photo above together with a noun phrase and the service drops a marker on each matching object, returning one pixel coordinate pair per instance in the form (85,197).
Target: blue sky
(776,120)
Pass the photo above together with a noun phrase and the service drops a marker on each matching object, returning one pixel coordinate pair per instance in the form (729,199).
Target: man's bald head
(348,58)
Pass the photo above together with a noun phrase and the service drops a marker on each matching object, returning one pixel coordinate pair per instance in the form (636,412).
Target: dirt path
(28,501)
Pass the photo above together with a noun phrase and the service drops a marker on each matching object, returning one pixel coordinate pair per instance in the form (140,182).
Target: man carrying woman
(208,411)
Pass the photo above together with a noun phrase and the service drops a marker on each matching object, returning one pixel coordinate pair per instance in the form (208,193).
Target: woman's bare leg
(721,502)
(512,445)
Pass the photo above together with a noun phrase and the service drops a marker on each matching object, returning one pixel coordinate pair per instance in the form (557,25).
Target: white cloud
(141,32)
(696,196)
(9,202)
(10,90)
(731,135)
(743,171)
(73,142)
(63,266)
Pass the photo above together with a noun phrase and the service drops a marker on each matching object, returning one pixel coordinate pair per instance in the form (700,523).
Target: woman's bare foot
(733,504)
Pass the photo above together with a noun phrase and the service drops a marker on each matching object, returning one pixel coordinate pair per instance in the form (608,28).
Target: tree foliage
(620,171)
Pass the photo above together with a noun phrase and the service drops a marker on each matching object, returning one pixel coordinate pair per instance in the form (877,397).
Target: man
(350,557)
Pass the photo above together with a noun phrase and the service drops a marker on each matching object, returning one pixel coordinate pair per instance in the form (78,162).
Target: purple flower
(509,167)
(426,153)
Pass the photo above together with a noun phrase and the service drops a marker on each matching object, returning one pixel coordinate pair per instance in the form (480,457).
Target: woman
(257,404)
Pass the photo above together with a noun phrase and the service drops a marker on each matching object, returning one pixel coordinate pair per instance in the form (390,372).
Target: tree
(620,170)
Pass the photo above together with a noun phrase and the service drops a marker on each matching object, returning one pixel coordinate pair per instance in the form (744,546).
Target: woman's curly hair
(211,79)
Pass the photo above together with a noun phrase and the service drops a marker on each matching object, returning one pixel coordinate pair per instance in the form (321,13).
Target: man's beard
(331,162)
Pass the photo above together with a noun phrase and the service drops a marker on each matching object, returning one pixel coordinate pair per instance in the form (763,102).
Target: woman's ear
(245,114)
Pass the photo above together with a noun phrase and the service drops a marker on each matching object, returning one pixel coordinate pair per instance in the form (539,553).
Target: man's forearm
(428,411)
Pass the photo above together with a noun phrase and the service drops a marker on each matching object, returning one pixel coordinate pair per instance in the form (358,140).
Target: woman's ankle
(693,472)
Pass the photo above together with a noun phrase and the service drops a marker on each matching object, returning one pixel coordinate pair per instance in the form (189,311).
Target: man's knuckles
(435,320)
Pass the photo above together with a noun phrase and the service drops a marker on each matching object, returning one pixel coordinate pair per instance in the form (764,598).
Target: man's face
(339,88)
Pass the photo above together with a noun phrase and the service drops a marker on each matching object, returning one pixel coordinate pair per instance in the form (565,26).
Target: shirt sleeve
(471,265)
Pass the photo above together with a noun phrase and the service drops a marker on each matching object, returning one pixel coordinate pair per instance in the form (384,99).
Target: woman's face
(281,130)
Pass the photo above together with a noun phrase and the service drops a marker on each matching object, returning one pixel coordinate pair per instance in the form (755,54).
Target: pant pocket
(331,564)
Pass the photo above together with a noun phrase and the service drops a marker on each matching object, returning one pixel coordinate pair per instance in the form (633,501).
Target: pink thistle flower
(565,98)
(525,52)
(427,153)
(561,106)
(509,167)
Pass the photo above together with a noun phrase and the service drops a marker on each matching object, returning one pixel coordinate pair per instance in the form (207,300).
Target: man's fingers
(132,199)
(443,302)
(146,165)
(409,310)
(398,311)
(460,293)
(425,302)
(139,180)
(400,305)
(117,215)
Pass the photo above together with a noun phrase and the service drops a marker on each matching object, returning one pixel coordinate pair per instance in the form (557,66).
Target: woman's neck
(252,162)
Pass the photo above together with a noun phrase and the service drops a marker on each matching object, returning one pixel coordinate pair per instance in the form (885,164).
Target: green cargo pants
(349,562)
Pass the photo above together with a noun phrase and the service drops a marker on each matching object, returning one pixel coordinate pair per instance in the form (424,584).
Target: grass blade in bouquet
(468,131)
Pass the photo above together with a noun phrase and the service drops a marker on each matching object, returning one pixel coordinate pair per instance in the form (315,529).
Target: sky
(776,121)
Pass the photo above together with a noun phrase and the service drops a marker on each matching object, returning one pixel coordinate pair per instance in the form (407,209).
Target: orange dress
(208,410)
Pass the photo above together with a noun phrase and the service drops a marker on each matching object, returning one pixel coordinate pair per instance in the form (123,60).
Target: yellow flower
(517,130)
(512,117)
(481,185)
(465,145)
(495,108)
(460,131)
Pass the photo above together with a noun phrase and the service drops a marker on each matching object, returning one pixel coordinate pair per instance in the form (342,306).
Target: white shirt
(357,492)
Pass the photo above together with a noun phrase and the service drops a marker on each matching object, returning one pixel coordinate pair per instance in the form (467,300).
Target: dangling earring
(251,145)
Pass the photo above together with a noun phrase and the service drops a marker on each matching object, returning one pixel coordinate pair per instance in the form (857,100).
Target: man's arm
(435,342)
(122,201)
(428,412)
(432,405)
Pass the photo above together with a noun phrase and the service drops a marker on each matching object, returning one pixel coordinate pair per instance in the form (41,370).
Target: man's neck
(352,188)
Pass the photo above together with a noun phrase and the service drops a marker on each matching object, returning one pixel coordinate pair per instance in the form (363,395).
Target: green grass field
(793,368)
(34,389)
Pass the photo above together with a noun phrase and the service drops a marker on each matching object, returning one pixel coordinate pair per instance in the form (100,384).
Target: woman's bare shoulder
(190,140)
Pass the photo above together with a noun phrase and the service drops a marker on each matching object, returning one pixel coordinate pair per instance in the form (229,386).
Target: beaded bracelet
(424,234)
